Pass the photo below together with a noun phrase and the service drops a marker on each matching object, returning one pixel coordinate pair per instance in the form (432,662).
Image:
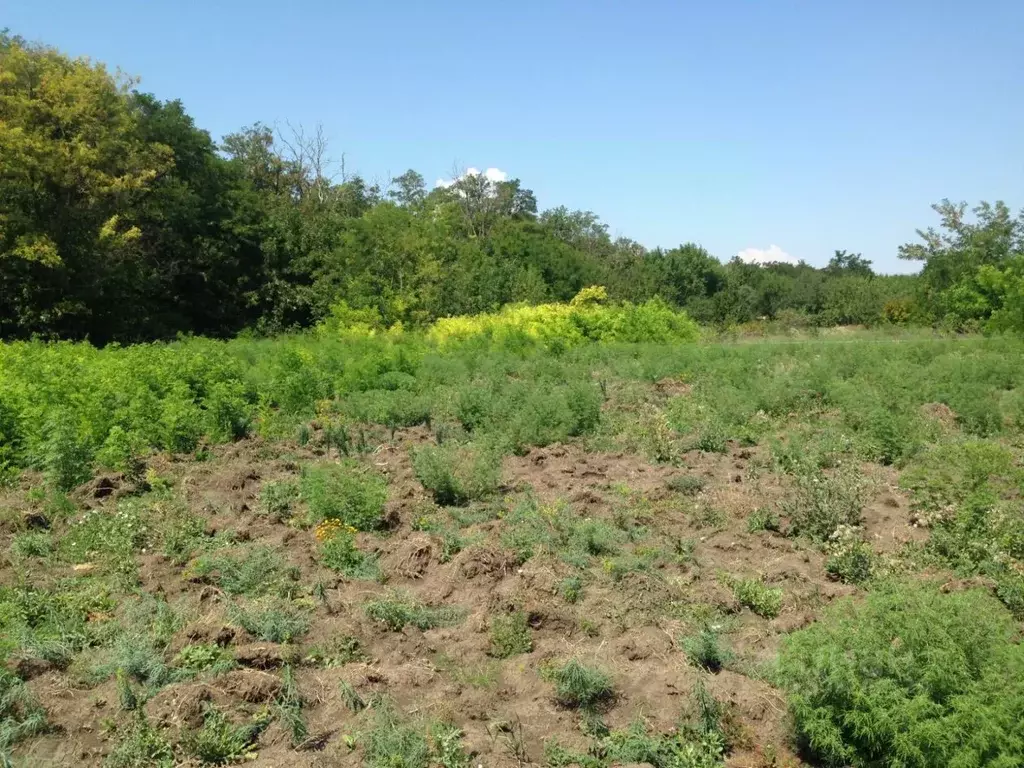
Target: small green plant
(571,589)
(348,492)
(578,686)
(252,571)
(273,621)
(397,611)
(202,657)
(140,745)
(687,485)
(822,502)
(457,474)
(446,741)
(763,600)
(705,650)
(478,674)
(32,544)
(850,558)
(219,741)
(707,516)
(392,743)
(908,676)
(21,715)
(712,438)
(763,519)
(336,652)
(288,708)
(67,457)
(278,499)
(510,635)
(351,698)
(339,553)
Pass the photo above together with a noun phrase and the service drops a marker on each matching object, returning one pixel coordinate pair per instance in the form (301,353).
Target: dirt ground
(630,627)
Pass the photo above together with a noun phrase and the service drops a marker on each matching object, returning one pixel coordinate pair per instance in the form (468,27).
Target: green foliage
(821,502)
(336,652)
(348,492)
(687,485)
(763,519)
(66,460)
(446,741)
(908,676)
(457,474)
(339,553)
(278,498)
(21,716)
(968,493)
(273,621)
(705,650)
(561,531)
(202,657)
(245,570)
(850,558)
(638,745)
(510,635)
(288,708)
(140,745)
(571,588)
(350,696)
(578,686)
(220,742)
(396,611)
(763,600)
(392,743)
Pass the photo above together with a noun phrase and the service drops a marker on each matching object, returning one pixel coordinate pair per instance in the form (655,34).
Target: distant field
(392,550)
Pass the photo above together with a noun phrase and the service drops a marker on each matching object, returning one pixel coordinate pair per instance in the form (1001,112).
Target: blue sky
(811,125)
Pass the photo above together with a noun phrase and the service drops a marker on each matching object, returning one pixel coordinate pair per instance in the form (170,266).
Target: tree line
(121,220)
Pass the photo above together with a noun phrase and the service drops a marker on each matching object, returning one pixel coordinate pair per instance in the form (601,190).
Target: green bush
(705,650)
(273,621)
(219,741)
(763,600)
(339,553)
(908,676)
(510,635)
(821,502)
(392,743)
(140,745)
(457,474)
(396,611)
(348,492)
(249,570)
(578,686)
(277,499)
(21,716)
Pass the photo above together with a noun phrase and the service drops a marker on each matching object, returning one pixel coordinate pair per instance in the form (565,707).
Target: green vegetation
(705,650)
(247,570)
(908,676)
(456,475)
(510,635)
(346,492)
(274,621)
(397,611)
(763,600)
(579,686)
(219,741)
(339,553)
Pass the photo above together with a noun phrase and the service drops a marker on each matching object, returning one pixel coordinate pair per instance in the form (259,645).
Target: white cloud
(770,255)
(491,174)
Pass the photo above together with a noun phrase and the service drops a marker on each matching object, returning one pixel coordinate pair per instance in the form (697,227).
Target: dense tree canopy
(121,220)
